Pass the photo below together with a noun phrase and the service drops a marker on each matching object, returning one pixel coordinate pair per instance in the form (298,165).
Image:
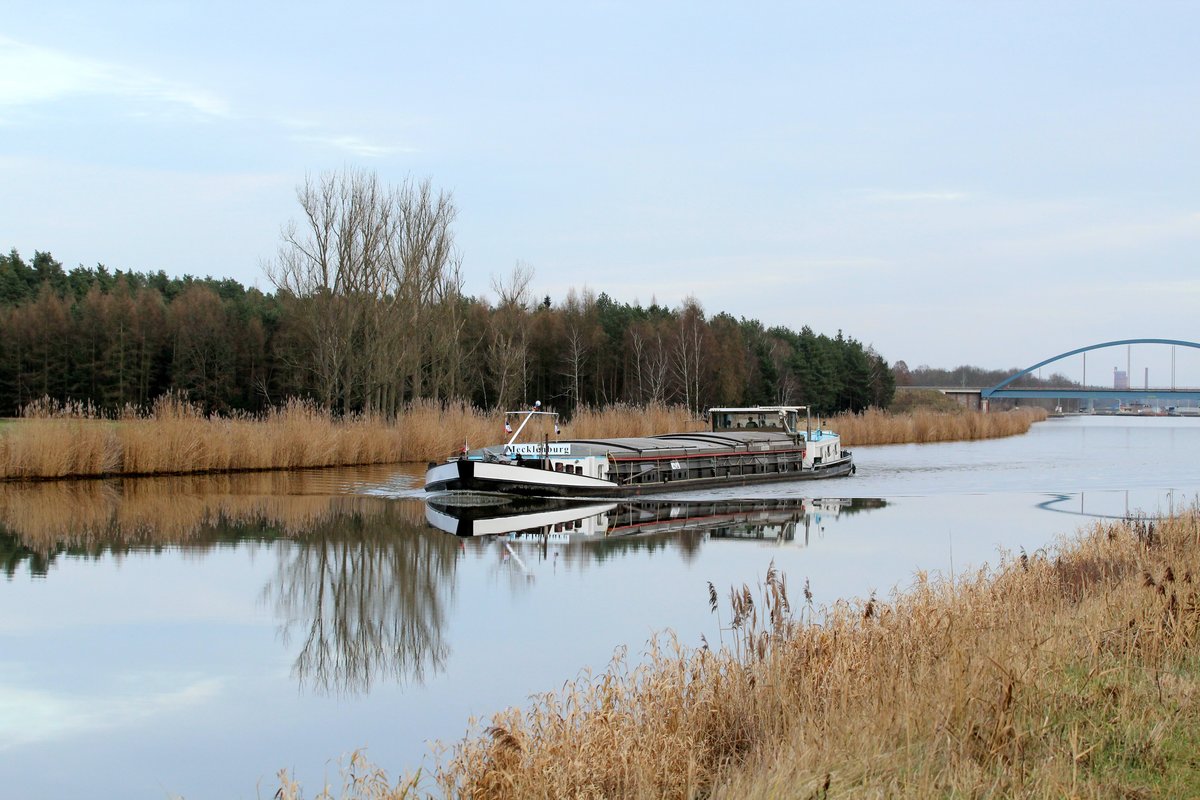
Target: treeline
(594,350)
(975,377)
(368,314)
(111,339)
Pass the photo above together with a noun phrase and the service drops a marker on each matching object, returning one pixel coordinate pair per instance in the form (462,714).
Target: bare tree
(508,336)
(652,364)
(637,343)
(579,313)
(426,275)
(364,270)
(689,351)
(448,352)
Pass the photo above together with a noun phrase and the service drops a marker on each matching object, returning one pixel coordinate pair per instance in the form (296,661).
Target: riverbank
(1069,672)
(924,426)
(177,438)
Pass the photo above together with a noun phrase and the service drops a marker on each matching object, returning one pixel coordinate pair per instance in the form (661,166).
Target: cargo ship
(743,446)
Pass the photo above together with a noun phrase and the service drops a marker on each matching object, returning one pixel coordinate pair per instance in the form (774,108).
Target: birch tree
(689,351)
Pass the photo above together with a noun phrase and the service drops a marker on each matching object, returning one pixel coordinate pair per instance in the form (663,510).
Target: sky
(951,183)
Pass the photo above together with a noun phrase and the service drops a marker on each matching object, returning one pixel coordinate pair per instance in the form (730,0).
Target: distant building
(1120,379)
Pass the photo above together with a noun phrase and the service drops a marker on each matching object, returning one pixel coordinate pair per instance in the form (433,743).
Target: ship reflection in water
(361,591)
(554,521)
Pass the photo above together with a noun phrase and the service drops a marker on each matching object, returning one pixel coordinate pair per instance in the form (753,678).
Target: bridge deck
(1096,394)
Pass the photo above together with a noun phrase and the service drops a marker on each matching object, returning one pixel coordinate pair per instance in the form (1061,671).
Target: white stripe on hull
(485,471)
(482,476)
(513,522)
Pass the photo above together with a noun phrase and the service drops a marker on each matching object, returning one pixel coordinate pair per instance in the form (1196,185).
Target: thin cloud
(354,145)
(31,75)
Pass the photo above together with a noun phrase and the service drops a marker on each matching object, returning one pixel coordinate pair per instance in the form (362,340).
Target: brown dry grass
(176,437)
(925,426)
(1064,675)
(628,420)
(1072,673)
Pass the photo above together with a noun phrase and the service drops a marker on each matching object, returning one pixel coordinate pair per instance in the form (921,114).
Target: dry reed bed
(923,426)
(1067,673)
(177,438)
(1052,676)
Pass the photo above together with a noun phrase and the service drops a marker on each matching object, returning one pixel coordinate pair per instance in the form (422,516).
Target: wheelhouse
(783,419)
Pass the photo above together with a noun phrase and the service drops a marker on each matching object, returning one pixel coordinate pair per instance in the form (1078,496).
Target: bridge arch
(1068,354)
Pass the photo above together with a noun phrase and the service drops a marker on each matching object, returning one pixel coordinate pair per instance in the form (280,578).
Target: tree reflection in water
(368,597)
(360,582)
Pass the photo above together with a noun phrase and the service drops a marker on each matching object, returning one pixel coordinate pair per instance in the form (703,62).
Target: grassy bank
(177,438)
(924,426)
(1067,673)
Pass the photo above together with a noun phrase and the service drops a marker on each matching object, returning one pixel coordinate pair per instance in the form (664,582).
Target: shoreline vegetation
(176,437)
(925,426)
(54,441)
(1072,671)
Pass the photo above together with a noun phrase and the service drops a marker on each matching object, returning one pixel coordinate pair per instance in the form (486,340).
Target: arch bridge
(1083,392)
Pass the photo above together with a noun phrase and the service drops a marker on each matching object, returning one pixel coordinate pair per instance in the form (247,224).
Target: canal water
(189,637)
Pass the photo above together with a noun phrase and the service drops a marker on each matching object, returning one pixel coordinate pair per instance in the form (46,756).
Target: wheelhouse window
(763,419)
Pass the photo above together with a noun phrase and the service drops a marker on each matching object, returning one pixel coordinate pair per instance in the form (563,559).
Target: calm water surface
(191,636)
